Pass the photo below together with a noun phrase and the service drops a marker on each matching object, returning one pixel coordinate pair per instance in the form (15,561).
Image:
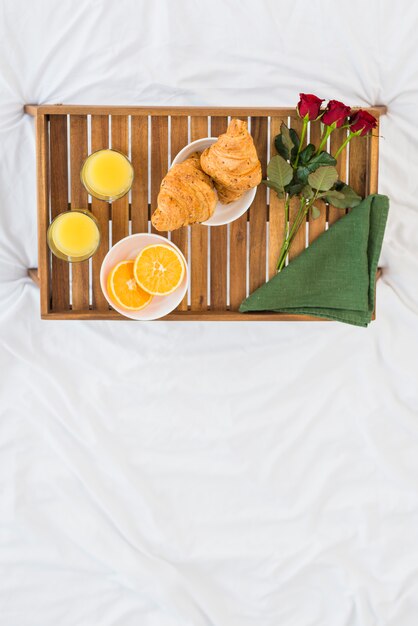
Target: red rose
(336,112)
(309,105)
(362,120)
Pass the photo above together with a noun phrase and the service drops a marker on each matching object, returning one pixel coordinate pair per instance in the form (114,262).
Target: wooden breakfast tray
(226,262)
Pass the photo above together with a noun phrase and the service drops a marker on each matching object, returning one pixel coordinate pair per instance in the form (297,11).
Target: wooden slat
(237,262)
(79,200)
(120,208)
(373,165)
(337,138)
(277,224)
(101,211)
(159,159)
(60,288)
(317,226)
(187,316)
(357,167)
(258,211)
(139,154)
(179,139)
(42,168)
(179,134)
(86,109)
(218,243)
(199,239)
(238,257)
(299,242)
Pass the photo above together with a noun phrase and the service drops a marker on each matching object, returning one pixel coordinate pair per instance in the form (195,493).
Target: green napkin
(335,277)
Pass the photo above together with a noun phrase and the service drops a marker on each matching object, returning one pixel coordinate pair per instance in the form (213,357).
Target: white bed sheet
(175,474)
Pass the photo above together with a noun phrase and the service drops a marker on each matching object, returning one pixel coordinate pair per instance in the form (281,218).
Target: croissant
(186,196)
(232,162)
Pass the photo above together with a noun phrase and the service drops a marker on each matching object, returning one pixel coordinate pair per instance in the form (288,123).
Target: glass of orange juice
(107,174)
(74,235)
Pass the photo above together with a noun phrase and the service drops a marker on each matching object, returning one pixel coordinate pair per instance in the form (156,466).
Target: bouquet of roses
(309,172)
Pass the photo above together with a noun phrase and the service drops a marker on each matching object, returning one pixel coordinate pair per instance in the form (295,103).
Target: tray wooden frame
(226,262)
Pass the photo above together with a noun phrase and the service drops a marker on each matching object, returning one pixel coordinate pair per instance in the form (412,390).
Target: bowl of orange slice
(144,276)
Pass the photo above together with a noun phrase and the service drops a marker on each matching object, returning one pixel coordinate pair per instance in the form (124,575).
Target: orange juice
(107,174)
(74,235)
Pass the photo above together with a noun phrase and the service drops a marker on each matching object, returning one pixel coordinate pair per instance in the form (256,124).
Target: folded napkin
(335,277)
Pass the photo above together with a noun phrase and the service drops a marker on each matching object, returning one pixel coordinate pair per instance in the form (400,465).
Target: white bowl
(224,213)
(128,248)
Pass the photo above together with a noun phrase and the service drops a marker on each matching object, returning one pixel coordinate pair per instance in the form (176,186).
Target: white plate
(128,248)
(224,213)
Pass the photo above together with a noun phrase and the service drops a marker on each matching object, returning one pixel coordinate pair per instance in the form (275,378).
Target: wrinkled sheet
(175,474)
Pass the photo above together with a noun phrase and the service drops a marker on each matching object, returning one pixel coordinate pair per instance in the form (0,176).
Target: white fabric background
(208,474)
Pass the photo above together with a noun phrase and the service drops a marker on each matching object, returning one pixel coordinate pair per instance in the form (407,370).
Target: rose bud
(362,120)
(335,113)
(309,105)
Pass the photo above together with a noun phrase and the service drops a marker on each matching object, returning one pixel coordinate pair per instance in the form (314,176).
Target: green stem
(290,235)
(298,220)
(286,215)
(302,213)
(345,142)
(325,136)
(301,140)
(286,229)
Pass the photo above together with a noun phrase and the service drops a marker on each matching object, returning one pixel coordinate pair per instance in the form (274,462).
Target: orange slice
(123,288)
(159,269)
